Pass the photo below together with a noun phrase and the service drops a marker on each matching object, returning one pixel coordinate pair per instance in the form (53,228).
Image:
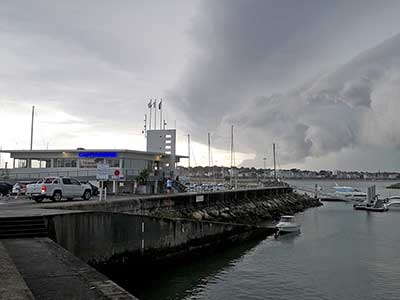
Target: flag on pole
(155,103)
(150,104)
(160,105)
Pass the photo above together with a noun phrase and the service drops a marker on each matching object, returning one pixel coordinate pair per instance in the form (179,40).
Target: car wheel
(57,196)
(38,199)
(86,195)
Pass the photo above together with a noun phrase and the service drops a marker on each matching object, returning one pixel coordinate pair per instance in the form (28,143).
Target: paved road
(11,207)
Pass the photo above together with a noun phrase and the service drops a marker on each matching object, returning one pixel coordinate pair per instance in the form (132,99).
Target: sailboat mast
(273,150)
(231,155)
(188,141)
(209,154)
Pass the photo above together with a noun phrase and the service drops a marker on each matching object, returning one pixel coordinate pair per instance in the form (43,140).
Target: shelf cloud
(283,72)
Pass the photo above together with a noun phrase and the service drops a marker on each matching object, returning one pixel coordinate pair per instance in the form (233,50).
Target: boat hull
(288,228)
(370,208)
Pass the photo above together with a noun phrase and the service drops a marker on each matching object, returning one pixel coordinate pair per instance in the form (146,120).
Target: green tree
(143,176)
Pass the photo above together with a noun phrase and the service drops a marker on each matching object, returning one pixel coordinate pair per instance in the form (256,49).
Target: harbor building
(124,165)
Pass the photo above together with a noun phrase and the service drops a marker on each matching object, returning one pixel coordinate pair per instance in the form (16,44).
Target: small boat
(349,193)
(373,203)
(287,224)
(379,206)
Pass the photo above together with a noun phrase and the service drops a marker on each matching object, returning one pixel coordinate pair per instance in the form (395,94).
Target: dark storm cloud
(355,106)
(248,49)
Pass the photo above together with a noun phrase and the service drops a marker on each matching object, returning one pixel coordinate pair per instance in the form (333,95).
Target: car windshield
(49,180)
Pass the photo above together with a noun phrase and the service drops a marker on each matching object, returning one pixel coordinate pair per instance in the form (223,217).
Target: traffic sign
(102,172)
(117,174)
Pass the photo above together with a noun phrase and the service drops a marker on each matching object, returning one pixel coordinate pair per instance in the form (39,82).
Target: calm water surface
(340,254)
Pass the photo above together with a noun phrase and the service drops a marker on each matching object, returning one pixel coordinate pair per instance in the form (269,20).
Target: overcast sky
(318,78)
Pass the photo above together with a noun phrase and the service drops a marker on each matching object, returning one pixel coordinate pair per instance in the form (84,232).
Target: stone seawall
(247,210)
(239,206)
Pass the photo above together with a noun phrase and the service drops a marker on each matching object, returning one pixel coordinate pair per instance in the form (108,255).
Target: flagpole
(145,125)
(155,114)
(160,107)
(150,107)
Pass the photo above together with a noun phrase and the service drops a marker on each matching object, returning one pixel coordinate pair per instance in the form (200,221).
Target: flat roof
(48,151)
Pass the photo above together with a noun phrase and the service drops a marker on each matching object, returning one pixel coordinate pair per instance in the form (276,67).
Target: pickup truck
(56,188)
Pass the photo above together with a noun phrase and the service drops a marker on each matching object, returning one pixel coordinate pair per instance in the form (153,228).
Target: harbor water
(339,254)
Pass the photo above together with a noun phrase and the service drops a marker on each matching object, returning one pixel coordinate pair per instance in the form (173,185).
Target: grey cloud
(98,60)
(350,108)
(247,49)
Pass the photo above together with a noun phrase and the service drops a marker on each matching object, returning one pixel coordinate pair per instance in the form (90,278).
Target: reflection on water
(339,254)
(183,279)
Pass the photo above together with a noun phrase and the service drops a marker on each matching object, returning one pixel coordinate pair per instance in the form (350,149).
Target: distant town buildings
(219,172)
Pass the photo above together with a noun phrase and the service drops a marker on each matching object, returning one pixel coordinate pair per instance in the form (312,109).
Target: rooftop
(94,151)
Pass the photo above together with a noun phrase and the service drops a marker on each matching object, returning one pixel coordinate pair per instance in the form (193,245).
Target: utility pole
(33,116)
(273,150)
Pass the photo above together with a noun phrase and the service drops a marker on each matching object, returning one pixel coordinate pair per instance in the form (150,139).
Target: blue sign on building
(97,154)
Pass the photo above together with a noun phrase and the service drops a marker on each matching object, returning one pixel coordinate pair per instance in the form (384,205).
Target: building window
(21,163)
(65,163)
(113,163)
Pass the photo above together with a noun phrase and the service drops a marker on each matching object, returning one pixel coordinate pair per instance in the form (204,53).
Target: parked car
(21,186)
(95,189)
(57,188)
(5,188)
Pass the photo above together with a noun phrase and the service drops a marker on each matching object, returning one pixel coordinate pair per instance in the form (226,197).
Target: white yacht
(349,193)
(287,224)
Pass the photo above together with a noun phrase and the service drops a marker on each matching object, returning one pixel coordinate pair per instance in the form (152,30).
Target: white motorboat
(287,224)
(349,193)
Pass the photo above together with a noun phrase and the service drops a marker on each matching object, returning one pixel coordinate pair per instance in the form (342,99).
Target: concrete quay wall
(102,237)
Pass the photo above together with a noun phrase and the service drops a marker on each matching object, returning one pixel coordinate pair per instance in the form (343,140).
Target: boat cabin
(288,219)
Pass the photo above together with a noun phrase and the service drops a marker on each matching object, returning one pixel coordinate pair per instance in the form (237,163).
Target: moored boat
(349,193)
(287,224)
(373,203)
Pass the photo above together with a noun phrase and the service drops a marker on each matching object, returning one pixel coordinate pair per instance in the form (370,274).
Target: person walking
(17,190)
(169,185)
